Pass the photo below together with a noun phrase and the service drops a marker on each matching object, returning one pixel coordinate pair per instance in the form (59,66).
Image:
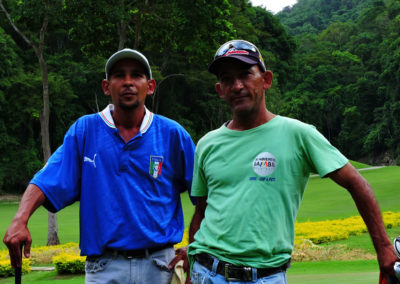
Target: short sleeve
(323,156)
(60,177)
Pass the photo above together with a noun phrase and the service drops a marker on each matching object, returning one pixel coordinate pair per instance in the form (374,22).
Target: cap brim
(215,64)
(127,54)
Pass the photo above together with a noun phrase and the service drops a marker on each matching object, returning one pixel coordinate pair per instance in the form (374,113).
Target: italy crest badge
(155,166)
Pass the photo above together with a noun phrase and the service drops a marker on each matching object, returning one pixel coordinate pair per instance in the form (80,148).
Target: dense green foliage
(348,82)
(335,64)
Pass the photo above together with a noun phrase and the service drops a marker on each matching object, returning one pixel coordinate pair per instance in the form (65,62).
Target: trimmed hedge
(69,264)
(6,270)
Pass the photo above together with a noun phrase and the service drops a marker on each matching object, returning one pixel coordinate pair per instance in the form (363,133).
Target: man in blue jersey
(250,176)
(127,167)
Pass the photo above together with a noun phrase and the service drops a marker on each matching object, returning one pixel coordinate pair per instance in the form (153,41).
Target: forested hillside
(335,63)
(348,77)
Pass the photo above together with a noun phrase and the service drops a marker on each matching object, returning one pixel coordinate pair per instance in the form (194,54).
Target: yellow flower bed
(185,240)
(340,229)
(69,263)
(45,254)
(68,258)
(6,270)
(327,231)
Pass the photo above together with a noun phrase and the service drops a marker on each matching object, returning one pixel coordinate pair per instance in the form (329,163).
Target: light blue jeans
(202,275)
(111,268)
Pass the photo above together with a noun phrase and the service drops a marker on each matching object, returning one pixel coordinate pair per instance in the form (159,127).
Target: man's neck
(128,121)
(128,118)
(245,122)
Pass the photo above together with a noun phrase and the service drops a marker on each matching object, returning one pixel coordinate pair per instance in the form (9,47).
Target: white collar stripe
(106,116)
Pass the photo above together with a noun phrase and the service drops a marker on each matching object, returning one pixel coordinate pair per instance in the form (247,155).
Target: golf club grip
(18,273)
(18,270)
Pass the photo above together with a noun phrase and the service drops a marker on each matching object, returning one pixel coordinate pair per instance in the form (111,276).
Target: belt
(137,253)
(237,273)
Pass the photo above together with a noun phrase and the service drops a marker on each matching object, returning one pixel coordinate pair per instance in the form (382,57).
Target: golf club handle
(18,270)
(397,270)
(18,273)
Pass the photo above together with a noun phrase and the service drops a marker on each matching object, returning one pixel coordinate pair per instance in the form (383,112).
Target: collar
(106,116)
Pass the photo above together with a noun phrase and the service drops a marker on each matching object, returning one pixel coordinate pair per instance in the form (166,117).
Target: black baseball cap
(239,49)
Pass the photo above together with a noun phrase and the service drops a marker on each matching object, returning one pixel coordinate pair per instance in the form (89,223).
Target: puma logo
(87,159)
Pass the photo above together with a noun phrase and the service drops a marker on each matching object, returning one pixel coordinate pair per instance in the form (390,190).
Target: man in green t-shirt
(250,176)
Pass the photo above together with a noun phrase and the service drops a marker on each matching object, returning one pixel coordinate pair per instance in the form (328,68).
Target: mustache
(240,94)
(130,90)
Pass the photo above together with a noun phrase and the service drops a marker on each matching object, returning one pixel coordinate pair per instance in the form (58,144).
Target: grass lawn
(46,277)
(68,221)
(323,200)
(333,272)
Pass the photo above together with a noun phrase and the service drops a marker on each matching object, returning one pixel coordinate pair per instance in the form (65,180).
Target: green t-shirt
(254,181)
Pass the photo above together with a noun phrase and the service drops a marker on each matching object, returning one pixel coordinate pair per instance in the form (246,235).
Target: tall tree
(42,11)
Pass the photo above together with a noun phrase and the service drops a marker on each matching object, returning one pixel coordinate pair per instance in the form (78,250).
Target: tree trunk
(52,237)
(52,228)
(122,34)
(137,30)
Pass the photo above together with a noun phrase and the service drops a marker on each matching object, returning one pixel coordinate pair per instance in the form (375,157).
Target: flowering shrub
(391,219)
(185,240)
(327,231)
(45,254)
(69,263)
(340,229)
(66,257)
(6,270)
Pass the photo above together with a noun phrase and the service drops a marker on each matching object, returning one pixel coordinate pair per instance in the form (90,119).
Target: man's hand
(181,254)
(386,260)
(16,238)
(18,235)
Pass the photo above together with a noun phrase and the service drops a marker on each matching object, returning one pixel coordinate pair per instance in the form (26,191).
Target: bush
(69,264)
(44,255)
(6,270)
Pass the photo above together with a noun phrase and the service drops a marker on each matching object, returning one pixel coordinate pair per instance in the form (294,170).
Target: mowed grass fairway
(323,200)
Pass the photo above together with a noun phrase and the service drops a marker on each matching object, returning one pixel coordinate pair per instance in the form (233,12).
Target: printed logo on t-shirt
(264,164)
(91,161)
(155,166)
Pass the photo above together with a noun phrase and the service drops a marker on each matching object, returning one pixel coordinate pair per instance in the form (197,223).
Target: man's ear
(151,83)
(105,84)
(219,90)
(268,76)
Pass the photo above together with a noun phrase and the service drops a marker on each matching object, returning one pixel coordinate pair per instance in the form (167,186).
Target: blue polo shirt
(129,193)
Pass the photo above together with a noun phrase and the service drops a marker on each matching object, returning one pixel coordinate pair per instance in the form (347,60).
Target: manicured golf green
(332,272)
(45,277)
(323,200)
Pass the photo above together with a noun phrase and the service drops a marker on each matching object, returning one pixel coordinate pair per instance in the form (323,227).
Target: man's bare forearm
(198,216)
(368,207)
(31,200)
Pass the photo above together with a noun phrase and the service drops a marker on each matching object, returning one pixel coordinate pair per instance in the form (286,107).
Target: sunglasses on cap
(239,49)
(236,45)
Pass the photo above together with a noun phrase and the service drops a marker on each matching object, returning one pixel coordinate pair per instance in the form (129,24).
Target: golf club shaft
(18,273)
(18,270)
